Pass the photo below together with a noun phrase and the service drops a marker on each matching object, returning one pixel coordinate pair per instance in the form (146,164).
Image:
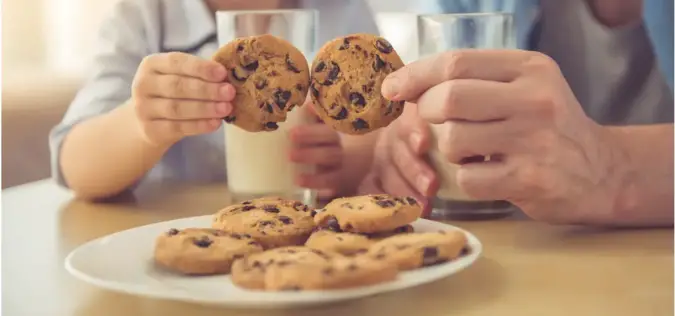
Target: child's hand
(318,145)
(177,95)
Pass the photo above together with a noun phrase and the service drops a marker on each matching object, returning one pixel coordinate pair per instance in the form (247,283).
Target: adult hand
(548,157)
(316,144)
(177,95)
(399,166)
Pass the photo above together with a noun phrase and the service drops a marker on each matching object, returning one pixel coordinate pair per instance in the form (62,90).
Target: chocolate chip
(281,98)
(349,226)
(399,200)
(274,73)
(378,63)
(290,251)
(235,236)
(360,124)
(251,66)
(265,223)
(328,271)
(240,47)
(358,47)
(368,88)
(312,213)
(334,72)
(173,232)
(352,267)
(339,238)
(411,201)
(429,255)
(380,256)
(261,83)
(378,197)
(298,87)
(253,243)
(237,256)
(465,251)
(246,203)
(333,224)
(357,99)
(314,91)
(236,76)
(401,229)
(229,119)
(320,254)
(273,126)
(257,264)
(341,115)
(271,209)
(285,219)
(383,46)
(320,67)
(290,65)
(246,235)
(284,263)
(293,288)
(347,205)
(267,107)
(203,242)
(386,203)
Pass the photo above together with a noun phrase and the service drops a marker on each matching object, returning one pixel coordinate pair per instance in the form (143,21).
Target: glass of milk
(257,163)
(445,32)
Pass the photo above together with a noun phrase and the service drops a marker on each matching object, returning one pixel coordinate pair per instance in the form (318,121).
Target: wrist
(625,194)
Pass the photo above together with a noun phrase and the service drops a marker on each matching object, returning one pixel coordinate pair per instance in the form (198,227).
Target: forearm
(105,155)
(358,156)
(646,195)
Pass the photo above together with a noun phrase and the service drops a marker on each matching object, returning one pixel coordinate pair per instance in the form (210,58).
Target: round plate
(123,262)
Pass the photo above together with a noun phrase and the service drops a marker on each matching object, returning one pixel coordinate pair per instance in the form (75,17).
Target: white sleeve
(122,44)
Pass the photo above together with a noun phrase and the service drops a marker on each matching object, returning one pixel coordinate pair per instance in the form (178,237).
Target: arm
(97,150)
(646,197)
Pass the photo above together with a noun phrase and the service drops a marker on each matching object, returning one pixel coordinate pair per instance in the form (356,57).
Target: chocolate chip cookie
(272,222)
(344,243)
(412,251)
(202,251)
(368,213)
(347,74)
(270,76)
(339,273)
(250,272)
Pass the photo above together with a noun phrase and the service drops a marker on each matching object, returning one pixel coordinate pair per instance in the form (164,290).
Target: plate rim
(144,290)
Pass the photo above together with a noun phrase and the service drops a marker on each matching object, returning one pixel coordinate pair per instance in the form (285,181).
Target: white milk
(447,172)
(258,163)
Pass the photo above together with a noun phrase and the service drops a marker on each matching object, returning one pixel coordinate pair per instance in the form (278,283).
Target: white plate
(123,262)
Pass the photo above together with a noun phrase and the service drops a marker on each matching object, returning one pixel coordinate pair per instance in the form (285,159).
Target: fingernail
(391,87)
(415,141)
(223,108)
(423,182)
(227,92)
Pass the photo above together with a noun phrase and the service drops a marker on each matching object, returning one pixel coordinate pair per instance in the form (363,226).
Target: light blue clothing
(137,28)
(658,20)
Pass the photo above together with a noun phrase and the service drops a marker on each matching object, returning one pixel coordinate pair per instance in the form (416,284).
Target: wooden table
(527,268)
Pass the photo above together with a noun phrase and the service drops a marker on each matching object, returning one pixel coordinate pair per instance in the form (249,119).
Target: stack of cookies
(276,244)
(272,77)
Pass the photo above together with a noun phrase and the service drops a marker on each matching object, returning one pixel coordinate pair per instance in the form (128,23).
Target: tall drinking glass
(257,163)
(446,32)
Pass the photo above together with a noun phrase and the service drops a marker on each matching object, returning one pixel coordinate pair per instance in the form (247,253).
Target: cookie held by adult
(270,76)
(347,75)
(202,251)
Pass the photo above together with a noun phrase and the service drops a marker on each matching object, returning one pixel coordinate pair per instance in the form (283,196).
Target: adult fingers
(458,141)
(409,82)
(320,180)
(414,169)
(469,100)
(177,63)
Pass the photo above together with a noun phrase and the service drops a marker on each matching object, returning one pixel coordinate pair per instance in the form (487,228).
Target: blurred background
(46,47)
(46,44)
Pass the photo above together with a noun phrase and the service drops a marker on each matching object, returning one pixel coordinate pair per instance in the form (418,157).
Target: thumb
(411,81)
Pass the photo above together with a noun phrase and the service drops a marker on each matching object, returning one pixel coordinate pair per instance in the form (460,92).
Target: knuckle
(540,62)
(452,98)
(176,84)
(173,109)
(543,104)
(453,64)
(175,60)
